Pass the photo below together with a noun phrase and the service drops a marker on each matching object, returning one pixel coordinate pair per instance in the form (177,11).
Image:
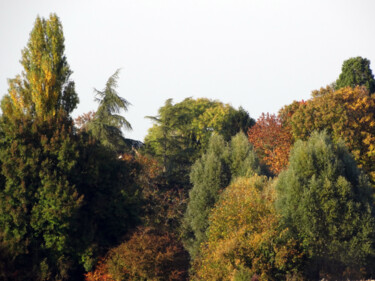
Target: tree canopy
(106,123)
(44,86)
(64,197)
(182,131)
(210,174)
(347,114)
(272,142)
(244,240)
(326,203)
(356,72)
(76,203)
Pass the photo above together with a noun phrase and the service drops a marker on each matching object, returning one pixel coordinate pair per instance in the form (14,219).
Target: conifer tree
(107,123)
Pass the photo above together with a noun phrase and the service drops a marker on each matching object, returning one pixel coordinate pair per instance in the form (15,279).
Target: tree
(347,114)
(162,207)
(326,203)
(356,72)
(38,148)
(111,205)
(106,123)
(244,238)
(148,255)
(64,197)
(209,175)
(181,133)
(38,201)
(272,142)
(44,87)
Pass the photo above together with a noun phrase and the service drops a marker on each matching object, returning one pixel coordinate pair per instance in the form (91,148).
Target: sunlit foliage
(44,87)
(272,142)
(244,238)
(181,133)
(347,114)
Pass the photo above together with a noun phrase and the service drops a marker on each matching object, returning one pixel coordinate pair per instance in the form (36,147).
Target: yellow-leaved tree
(347,114)
(244,240)
(44,87)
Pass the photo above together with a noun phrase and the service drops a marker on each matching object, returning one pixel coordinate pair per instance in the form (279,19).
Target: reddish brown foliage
(82,120)
(100,273)
(271,141)
(148,255)
(162,207)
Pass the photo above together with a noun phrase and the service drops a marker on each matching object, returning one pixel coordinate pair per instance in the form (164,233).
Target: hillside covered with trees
(211,194)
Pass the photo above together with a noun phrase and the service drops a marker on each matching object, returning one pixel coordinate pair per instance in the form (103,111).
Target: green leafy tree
(326,203)
(39,153)
(44,87)
(106,123)
(209,175)
(356,72)
(182,131)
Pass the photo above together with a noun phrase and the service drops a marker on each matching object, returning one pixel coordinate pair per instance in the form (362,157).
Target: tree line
(211,194)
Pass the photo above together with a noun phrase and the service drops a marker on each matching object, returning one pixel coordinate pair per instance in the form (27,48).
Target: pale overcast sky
(258,54)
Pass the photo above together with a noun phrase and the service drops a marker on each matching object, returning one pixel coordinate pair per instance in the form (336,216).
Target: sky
(258,54)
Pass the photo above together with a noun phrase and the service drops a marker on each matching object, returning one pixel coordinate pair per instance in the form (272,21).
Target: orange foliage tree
(100,273)
(148,255)
(271,141)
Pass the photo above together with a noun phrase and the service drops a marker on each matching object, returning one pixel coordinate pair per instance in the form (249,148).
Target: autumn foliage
(347,114)
(148,255)
(272,142)
(197,200)
(243,237)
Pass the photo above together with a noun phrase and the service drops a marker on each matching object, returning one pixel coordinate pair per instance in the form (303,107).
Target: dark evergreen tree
(356,72)
(38,200)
